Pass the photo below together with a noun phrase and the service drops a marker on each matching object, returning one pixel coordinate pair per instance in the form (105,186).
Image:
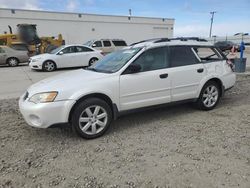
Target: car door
(107,47)
(151,86)
(186,72)
(66,57)
(83,55)
(3,56)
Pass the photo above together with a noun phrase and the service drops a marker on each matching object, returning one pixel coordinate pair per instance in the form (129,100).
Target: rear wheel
(91,118)
(209,96)
(92,61)
(49,66)
(12,62)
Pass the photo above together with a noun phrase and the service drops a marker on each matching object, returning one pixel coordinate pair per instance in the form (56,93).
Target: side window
(119,43)
(83,49)
(106,43)
(153,59)
(98,44)
(69,50)
(207,54)
(182,56)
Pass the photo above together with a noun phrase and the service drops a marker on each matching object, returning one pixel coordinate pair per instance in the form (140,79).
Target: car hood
(67,82)
(41,56)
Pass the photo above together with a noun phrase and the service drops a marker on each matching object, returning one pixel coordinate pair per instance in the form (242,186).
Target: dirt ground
(175,146)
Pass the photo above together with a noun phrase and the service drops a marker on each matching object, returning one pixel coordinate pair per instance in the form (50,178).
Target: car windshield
(56,50)
(115,61)
(89,43)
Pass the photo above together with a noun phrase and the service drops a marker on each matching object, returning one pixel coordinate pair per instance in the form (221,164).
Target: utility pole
(212,21)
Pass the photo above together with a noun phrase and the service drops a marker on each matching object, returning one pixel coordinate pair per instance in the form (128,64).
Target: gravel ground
(169,147)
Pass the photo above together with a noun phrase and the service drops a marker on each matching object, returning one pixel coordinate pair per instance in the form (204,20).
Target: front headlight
(43,97)
(35,60)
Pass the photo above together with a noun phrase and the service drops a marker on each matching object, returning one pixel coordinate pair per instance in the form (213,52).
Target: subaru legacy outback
(148,73)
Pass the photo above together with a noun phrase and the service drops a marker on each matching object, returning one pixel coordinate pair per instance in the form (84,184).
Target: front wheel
(209,96)
(91,118)
(49,66)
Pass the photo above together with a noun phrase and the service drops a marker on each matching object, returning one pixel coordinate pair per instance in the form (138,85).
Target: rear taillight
(230,64)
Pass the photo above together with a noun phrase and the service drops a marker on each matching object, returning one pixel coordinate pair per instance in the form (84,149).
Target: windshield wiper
(98,70)
(91,68)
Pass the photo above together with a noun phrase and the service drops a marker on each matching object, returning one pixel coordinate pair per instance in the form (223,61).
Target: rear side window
(153,59)
(207,54)
(69,50)
(106,43)
(181,56)
(98,44)
(119,43)
(83,49)
(19,47)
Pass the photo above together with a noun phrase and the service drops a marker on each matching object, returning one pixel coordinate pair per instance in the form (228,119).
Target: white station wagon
(145,74)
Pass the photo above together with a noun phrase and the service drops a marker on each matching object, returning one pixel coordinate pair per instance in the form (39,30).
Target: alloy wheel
(49,66)
(93,120)
(13,62)
(210,96)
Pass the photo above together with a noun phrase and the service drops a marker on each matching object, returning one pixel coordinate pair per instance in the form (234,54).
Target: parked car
(226,45)
(143,75)
(107,45)
(12,57)
(65,56)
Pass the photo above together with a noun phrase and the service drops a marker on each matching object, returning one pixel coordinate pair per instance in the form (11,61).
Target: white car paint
(77,59)
(127,92)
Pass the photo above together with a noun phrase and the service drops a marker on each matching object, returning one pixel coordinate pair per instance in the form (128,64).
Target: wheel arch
(7,59)
(49,60)
(102,96)
(218,81)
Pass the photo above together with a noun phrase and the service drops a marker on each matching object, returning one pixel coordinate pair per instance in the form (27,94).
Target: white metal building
(79,28)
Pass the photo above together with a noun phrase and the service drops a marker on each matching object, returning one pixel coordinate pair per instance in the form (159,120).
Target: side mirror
(60,53)
(93,45)
(133,68)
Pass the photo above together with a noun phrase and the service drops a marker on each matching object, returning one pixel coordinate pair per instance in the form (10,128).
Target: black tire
(81,112)
(201,102)
(49,66)
(92,60)
(12,62)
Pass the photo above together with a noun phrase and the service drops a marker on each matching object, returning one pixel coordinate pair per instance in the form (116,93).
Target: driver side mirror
(60,53)
(133,68)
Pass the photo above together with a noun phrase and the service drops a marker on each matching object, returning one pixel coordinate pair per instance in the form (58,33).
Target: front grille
(26,96)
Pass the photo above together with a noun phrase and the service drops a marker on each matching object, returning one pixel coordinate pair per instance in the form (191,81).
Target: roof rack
(159,40)
(189,38)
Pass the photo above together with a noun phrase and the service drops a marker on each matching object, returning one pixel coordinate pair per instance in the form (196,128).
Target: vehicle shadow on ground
(20,65)
(142,118)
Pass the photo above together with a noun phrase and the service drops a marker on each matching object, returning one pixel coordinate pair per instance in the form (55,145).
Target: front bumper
(44,115)
(35,65)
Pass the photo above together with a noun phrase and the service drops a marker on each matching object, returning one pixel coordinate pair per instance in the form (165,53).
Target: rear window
(119,43)
(207,54)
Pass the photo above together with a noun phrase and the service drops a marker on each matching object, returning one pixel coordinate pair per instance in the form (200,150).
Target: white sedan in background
(65,56)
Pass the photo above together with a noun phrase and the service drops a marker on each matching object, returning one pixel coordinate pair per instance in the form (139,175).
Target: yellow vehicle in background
(27,38)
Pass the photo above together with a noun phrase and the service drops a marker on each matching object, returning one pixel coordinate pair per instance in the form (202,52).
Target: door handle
(162,76)
(200,70)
